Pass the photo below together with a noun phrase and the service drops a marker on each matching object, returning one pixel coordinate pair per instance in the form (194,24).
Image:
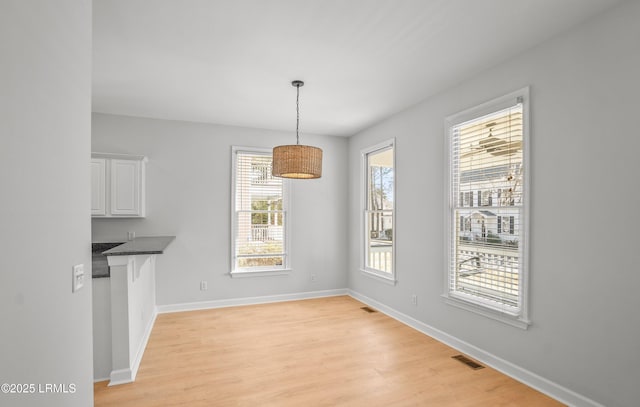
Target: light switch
(78,277)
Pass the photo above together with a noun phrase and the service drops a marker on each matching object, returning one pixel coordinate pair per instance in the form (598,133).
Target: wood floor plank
(319,352)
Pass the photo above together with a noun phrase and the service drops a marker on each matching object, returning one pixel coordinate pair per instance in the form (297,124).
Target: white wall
(584,211)
(101,329)
(45,113)
(188,195)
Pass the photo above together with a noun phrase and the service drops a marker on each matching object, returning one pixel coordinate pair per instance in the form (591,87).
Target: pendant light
(297,160)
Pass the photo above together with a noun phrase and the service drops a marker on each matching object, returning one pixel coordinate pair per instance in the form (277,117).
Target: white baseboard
(120,376)
(234,302)
(102,379)
(531,379)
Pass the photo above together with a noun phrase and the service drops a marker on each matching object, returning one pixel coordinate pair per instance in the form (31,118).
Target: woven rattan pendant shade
(296,160)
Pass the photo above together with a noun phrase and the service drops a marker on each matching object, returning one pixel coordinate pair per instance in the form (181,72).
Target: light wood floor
(320,352)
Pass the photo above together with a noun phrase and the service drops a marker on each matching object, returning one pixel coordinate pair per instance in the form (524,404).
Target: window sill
(514,320)
(260,273)
(378,277)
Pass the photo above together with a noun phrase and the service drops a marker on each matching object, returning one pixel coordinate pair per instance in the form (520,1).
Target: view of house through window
(379,214)
(259,214)
(487,209)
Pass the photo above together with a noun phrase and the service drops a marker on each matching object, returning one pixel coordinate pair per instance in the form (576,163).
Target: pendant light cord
(297,113)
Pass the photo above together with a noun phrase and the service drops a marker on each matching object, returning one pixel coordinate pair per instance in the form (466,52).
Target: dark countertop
(99,265)
(141,245)
(98,248)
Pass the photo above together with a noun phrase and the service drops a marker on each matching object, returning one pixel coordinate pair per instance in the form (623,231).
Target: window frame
(379,275)
(520,318)
(286,212)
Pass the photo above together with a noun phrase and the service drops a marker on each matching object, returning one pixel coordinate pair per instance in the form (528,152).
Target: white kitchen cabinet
(117,185)
(98,187)
(125,187)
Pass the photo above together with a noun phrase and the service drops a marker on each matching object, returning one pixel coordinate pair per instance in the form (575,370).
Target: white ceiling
(232,61)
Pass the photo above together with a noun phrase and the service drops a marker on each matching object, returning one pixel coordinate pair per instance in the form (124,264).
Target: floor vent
(472,364)
(368,309)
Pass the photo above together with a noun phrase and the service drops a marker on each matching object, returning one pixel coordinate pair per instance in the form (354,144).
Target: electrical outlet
(77,274)
(313,277)
(204,286)
(131,235)
(414,299)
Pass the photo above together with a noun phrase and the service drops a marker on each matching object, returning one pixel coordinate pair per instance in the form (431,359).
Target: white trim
(521,320)
(102,379)
(526,192)
(260,273)
(235,302)
(487,107)
(378,276)
(286,210)
(120,156)
(513,320)
(527,377)
(122,376)
(363,205)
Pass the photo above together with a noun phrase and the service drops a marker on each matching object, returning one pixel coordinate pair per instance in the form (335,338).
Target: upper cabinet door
(118,185)
(126,186)
(98,187)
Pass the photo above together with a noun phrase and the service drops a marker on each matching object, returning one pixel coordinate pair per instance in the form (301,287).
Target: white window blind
(379,196)
(487,208)
(259,214)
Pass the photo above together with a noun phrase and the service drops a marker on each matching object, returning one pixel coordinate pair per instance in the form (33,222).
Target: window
(487,270)
(468,198)
(378,211)
(506,224)
(487,199)
(259,213)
